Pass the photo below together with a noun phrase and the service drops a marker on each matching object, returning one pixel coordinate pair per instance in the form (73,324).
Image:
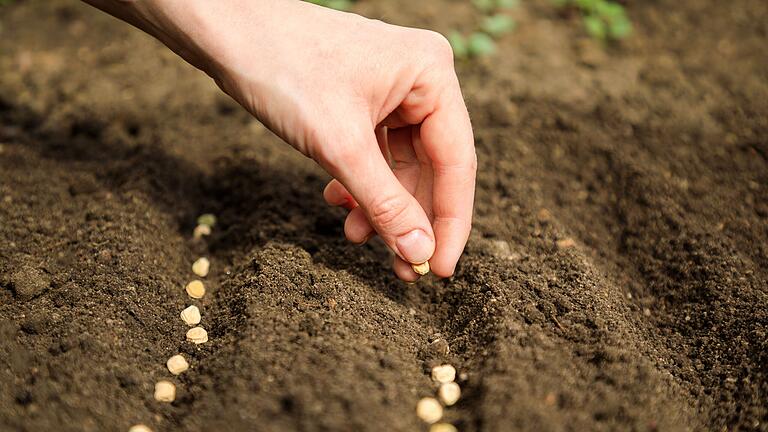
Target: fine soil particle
(616,277)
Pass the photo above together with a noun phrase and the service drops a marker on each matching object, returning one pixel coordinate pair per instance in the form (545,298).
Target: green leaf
(609,10)
(480,44)
(595,27)
(620,28)
(459,44)
(497,25)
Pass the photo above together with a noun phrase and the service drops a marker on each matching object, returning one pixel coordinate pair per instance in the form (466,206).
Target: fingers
(392,211)
(403,270)
(357,229)
(448,142)
(336,194)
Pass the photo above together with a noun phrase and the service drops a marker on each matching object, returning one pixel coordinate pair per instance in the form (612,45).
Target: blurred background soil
(616,277)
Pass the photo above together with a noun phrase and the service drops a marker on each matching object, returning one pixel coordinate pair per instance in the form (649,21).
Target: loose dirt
(616,277)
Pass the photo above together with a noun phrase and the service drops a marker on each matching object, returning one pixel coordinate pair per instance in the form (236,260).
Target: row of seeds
(430,409)
(165,391)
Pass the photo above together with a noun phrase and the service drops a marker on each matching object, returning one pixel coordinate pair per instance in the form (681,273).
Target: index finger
(448,141)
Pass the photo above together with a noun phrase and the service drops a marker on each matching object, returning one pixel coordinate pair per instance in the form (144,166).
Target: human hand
(378,106)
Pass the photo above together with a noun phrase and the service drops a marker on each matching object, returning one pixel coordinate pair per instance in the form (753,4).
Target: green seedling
(498,24)
(477,44)
(459,44)
(480,44)
(493,24)
(603,19)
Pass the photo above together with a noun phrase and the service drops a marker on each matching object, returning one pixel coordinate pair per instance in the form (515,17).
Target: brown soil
(651,156)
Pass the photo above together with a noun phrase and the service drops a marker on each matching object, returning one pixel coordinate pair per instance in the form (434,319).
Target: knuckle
(437,46)
(388,212)
(334,155)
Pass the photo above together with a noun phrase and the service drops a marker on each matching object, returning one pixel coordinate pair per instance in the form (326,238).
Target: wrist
(181,25)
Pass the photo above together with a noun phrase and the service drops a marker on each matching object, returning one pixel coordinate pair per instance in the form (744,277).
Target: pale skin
(377,106)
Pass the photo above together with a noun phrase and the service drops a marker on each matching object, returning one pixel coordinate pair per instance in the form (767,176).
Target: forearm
(173,22)
(209,33)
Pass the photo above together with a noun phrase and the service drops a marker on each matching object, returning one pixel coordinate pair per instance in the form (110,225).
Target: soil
(616,277)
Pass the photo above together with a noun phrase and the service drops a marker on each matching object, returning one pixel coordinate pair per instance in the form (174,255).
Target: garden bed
(616,277)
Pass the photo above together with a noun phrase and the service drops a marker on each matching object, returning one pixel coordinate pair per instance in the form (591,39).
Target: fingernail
(415,247)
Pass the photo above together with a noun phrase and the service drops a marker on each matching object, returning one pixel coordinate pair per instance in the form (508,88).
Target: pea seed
(443,427)
(444,373)
(191,315)
(449,393)
(429,410)
(177,364)
(201,267)
(206,219)
(139,428)
(197,335)
(165,391)
(422,268)
(200,231)
(196,289)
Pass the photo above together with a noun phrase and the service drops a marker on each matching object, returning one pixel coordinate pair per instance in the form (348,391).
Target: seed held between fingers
(191,315)
(196,289)
(197,335)
(444,373)
(422,268)
(449,393)
(177,364)
(165,391)
(201,267)
(429,410)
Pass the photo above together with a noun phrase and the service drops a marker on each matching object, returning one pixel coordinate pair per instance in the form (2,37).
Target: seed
(165,391)
(200,231)
(196,289)
(139,428)
(201,267)
(197,335)
(429,410)
(444,373)
(443,427)
(207,219)
(191,315)
(422,268)
(177,364)
(449,393)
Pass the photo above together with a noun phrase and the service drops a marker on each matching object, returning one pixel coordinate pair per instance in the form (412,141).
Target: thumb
(393,212)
